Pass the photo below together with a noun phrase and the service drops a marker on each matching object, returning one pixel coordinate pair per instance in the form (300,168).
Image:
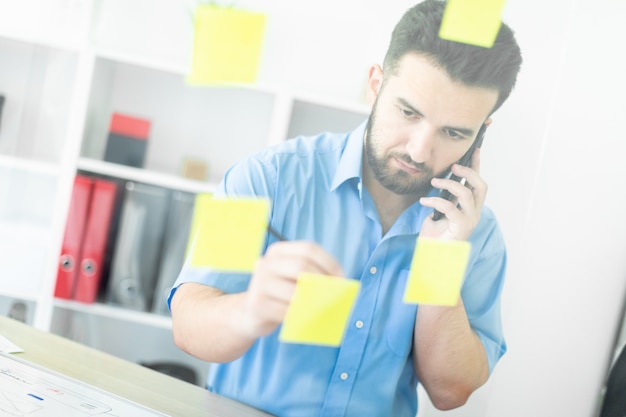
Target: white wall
(568,278)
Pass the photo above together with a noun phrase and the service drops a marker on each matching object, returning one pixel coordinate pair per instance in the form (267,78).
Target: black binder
(135,261)
(175,240)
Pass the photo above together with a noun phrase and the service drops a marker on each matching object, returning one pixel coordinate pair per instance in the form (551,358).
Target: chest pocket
(401,319)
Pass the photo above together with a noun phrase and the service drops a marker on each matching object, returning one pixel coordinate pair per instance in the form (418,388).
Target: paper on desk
(7,346)
(319,310)
(475,22)
(437,271)
(28,389)
(230,233)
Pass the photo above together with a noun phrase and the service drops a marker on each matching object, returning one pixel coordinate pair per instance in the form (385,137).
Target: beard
(396,180)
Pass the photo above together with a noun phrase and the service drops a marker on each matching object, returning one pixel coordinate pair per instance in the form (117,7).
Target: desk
(134,382)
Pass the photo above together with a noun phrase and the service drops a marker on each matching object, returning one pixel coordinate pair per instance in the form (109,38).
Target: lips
(410,169)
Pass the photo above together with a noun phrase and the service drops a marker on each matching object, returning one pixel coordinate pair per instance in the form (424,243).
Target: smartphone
(465,161)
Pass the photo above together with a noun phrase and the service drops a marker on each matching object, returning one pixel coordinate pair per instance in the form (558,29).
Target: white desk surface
(128,380)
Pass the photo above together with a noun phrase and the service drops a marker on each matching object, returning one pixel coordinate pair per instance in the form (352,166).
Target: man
(353,205)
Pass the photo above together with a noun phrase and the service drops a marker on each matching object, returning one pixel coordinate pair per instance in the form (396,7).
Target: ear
(374,83)
(488,121)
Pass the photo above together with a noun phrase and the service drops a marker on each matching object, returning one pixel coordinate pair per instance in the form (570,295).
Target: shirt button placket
(359,323)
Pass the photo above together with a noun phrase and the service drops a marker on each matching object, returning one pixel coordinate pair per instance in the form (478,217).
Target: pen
(275,233)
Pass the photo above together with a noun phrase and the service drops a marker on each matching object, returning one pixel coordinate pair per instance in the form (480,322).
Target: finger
(296,257)
(269,282)
(462,204)
(276,287)
(447,208)
(268,297)
(464,172)
(474,182)
(457,189)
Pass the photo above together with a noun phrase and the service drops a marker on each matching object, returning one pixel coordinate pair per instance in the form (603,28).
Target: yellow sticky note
(319,310)
(437,271)
(227,45)
(229,233)
(475,22)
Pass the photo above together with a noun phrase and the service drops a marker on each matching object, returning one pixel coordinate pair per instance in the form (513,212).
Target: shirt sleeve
(482,289)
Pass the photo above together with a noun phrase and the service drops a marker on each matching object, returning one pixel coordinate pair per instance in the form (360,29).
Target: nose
(421,143)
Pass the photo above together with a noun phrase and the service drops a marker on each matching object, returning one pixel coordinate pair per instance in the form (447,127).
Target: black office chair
(614,403)
(18,311)
(176,370)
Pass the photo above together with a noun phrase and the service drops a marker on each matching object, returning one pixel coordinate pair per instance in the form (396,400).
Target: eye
(408,114)
(454,134)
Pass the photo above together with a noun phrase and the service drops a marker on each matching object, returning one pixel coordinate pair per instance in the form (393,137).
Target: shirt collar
(351,159)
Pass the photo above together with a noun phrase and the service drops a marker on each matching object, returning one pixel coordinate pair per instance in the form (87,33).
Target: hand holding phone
(465,161)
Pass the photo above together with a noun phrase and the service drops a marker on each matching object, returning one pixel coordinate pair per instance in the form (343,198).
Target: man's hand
(274,280)
(463,212)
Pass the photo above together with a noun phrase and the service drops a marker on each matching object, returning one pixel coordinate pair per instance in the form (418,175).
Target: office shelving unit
(62,81)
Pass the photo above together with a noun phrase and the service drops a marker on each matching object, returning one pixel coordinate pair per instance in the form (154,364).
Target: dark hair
(418,32)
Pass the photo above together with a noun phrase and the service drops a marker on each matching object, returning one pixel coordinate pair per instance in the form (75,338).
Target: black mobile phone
(465,161)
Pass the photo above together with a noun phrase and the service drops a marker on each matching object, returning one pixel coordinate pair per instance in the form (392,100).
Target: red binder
(133,127)
(95,240)
(72,240)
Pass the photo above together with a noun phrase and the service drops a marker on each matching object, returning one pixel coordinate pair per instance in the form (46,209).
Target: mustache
(407,160)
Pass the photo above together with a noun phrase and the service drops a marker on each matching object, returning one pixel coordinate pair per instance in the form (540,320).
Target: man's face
(421,123)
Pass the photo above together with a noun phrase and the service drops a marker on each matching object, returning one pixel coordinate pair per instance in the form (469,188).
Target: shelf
(19,295)
(40,85)
(310,118)
(137,60)
(115,312)
(135,336)
(18,307)
(172,68)
(29,166)
(358,105)
(145,176)
(71,65)
(186,122)
(350,106)
(24,247)
(36,39)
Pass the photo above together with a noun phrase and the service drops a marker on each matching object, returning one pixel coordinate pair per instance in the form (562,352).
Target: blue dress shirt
(316,190)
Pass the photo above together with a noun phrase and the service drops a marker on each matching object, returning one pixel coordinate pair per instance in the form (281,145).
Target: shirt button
(358,324)
(373,270)
(343,376)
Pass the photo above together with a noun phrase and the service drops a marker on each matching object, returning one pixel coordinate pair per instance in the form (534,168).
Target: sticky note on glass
(437,272)
(229,233)
(319,310)
(475,22)
(227,45)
